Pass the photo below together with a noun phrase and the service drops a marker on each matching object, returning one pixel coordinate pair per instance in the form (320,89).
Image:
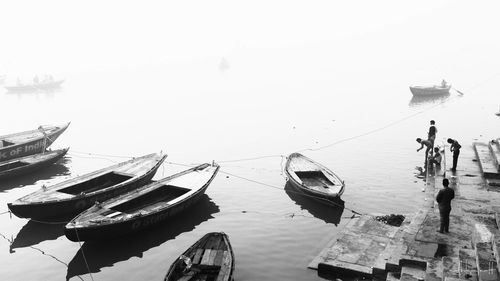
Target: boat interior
(161,194)
(209,261)
(5,143)
(97,183)
(12,165)
(314,178)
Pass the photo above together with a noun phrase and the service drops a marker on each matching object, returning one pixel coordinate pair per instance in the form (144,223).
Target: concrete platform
(416,251)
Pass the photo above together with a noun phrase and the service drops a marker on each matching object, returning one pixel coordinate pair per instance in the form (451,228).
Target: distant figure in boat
(444,198)
(431,135)
(435,159)
(455,148)
(443,83)
(428,144)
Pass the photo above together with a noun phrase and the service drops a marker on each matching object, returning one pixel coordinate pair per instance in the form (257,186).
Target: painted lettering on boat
(23,150)
(145,222)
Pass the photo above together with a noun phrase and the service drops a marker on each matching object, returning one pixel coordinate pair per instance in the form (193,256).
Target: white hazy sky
(73,36)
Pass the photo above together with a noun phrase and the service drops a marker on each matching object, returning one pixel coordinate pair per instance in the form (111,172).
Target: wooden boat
(44,85)
(30,163)
(436,90)
(312,178)
(29,142)
(210,258)
(79,193)
(143,207)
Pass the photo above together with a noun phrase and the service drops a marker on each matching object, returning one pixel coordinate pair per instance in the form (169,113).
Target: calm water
(342,100)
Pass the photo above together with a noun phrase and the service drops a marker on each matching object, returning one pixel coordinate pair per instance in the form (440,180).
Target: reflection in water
(34,232)
(38,93)
(47,173)
(106,254)
(329,212)
(423,100)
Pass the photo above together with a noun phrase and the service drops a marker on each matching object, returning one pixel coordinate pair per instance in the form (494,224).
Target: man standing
(431,135)
(444,198)
(455,148)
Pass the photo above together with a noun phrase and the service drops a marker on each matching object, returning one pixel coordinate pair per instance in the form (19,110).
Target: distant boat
(43,85)
(435,90)
(79,193)
(498,113)
(30,163)
(312,178)
(29,142)
(210,258)
(144,207)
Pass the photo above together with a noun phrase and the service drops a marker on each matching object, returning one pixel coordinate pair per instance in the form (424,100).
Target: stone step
(496,248)
(495,153)
(451,266)
(467,267)
(485,262)
(434,271)
(412,272)
(485,159)
(393,276)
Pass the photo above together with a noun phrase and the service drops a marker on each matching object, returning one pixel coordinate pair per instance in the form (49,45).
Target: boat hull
(136,224)
(430,91)
(311,193)
(222,264)
(15,172)
(34,146)
(54,209)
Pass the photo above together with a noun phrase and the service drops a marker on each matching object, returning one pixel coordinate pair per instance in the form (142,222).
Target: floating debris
(392,219)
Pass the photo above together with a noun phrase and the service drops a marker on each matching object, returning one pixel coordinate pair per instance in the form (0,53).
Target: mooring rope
(83,254)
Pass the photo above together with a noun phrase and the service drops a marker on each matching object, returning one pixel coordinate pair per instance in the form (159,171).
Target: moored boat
(30,163)
(144,207)
(77,194)
(29,142)
(210,258)
(312,178)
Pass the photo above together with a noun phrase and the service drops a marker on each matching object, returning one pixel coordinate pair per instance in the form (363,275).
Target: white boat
(435,90)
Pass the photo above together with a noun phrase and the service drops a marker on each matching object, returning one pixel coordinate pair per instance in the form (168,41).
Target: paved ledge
(415,250)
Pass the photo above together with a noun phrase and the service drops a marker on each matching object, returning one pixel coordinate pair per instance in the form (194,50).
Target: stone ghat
(367,248)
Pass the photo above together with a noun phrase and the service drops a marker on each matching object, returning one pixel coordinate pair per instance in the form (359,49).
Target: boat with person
(210,258)
(46,84)
(143,207)
(311,178)
(74,195)
(29,142)
(29,164)
(435,90)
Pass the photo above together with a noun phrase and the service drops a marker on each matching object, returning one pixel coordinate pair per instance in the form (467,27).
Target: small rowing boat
(30,163)
(79,193)
(435,90)
(144,207)
(43,85)
(210,258)
(312,178)
(29,142)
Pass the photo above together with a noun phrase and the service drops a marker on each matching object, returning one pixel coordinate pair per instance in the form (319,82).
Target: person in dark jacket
(431,135)
(455,148)
(444,198)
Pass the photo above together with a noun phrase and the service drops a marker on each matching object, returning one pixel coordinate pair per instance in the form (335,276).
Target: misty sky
(62,36)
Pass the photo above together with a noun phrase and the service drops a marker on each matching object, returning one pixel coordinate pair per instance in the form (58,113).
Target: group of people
(433,158)
(432,154)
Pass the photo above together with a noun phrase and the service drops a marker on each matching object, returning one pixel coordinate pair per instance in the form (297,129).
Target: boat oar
(458,91)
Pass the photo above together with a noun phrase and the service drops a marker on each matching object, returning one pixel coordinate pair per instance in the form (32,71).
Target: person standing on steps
(428,144)
(431,135)
(455,148)
(444,198)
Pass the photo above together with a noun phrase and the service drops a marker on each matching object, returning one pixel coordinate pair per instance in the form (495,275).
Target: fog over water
(228,81)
